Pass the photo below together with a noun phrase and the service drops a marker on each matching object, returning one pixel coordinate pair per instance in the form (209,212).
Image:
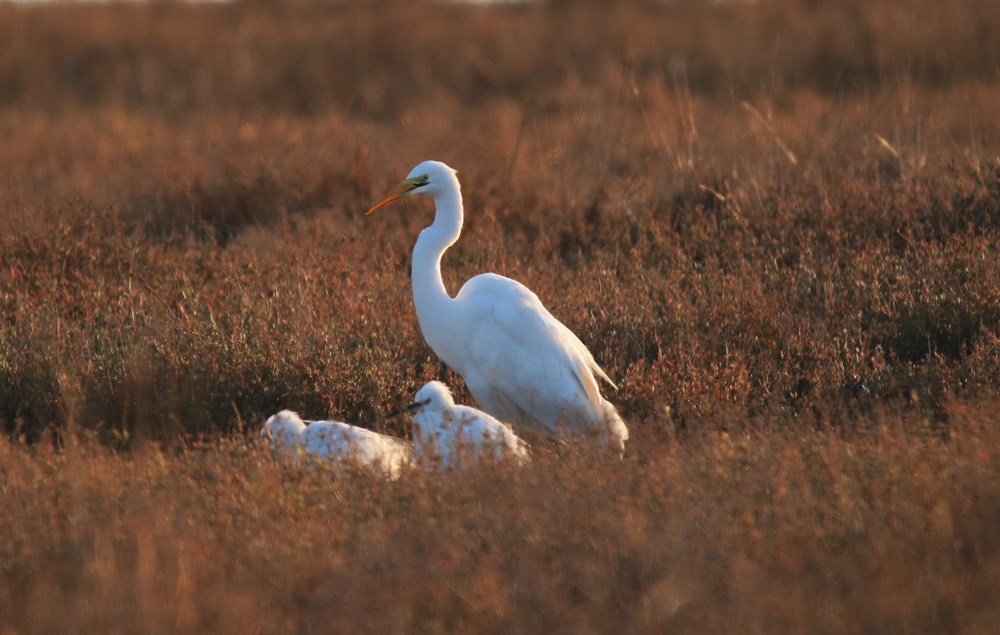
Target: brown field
(774,223)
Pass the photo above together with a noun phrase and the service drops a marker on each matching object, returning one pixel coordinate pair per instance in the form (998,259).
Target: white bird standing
(454,435)
(521,364)
(335,441)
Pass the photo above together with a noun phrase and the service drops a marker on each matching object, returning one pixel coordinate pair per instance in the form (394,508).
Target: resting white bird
(335,441)
(521,364)
(455,436)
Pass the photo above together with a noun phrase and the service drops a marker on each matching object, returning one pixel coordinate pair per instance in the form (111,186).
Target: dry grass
(774,223)
(773,529)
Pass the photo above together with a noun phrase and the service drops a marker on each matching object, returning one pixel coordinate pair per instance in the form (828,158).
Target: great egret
(453,435)
(335,441)
(521,364)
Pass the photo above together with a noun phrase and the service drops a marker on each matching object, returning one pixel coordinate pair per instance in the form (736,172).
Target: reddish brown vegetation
(774,223)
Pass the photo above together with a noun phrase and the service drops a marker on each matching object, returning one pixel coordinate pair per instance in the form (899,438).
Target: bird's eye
(426,402)
(422,180)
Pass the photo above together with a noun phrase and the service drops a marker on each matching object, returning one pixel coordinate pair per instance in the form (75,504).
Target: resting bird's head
(283,430)
(434,397)
(430,177)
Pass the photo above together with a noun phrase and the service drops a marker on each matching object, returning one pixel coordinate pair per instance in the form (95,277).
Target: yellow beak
(393,195)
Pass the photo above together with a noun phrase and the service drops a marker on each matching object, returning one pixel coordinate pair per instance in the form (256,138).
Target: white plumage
(335,441)
(454,436)
(521,364)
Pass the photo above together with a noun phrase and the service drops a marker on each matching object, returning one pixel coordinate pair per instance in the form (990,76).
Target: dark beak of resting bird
(394,195)
(410,408)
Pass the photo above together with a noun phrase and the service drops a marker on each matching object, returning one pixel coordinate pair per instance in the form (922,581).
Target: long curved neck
(430,298)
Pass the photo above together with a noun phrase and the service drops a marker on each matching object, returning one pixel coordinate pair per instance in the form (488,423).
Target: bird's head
(283,429)
(430,177)
(434,397)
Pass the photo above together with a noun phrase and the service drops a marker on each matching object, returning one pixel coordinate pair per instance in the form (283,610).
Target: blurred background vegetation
(739,206)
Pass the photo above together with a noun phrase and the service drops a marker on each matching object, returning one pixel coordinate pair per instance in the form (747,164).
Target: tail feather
(617,430)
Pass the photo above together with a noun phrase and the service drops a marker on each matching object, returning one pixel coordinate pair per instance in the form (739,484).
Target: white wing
(483,433)
(334,440)
(523,365)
